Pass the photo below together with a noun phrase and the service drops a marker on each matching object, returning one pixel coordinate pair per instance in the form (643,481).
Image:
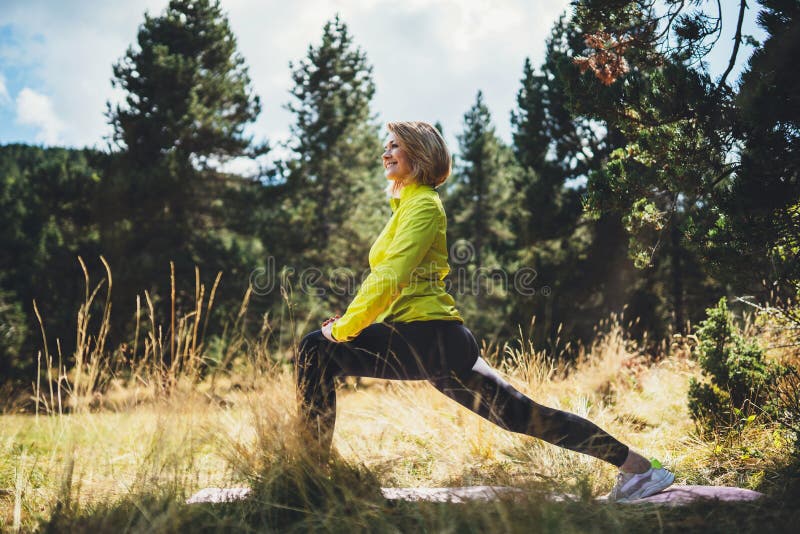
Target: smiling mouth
(390,164)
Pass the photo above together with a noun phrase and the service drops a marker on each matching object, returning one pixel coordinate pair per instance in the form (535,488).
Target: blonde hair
(427,151)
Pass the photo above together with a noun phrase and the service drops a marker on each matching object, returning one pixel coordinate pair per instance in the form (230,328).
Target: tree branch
(721,177)
(737,40)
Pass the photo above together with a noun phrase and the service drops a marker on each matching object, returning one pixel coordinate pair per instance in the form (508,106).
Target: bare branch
(723,175)
(737,40)
(670,16)
(672,210)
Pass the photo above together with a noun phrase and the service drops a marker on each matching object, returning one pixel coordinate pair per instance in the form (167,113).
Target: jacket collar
(408,191)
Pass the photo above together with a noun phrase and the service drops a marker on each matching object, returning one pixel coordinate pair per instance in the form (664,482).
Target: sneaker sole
(652,488)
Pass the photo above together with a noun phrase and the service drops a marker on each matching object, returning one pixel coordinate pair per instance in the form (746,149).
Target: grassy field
(126,456)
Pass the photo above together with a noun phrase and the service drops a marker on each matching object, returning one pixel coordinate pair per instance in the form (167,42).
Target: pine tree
(554,145)
(480,206)
(187,102)
(759,219)
(575,258)
(719,166)
(47,199)
(188,91)
(331,206)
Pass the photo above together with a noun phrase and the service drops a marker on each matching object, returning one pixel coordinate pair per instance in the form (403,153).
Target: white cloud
(66,50)
(4,98)
(430,57)
(36,109)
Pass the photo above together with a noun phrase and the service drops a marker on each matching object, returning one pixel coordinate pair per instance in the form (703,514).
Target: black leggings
(446,354)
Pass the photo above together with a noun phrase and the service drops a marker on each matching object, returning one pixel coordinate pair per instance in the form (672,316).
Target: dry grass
(129,444)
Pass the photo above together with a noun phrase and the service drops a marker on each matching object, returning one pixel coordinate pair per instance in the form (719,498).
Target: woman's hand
(327,326)
(326,331)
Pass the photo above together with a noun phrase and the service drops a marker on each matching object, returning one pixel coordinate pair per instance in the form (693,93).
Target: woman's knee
(309,346)
(311,339)
(463,350)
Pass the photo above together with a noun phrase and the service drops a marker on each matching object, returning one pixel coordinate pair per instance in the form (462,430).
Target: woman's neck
(394,188)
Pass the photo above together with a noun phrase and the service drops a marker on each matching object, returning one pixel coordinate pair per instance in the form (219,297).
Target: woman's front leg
(379,351)
(315,379)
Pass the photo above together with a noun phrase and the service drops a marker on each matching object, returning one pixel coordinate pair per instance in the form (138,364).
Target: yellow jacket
(408,263)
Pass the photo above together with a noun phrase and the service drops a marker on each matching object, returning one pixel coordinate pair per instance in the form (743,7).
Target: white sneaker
(631,486)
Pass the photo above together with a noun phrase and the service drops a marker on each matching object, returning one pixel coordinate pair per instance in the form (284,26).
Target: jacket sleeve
(417,226)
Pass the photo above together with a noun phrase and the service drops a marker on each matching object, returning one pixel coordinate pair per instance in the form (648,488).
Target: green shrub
(708,404)
(739,377)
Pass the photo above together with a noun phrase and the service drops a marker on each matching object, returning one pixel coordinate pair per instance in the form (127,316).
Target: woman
(403,325)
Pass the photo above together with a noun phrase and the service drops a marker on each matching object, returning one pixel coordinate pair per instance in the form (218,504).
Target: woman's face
(395,160)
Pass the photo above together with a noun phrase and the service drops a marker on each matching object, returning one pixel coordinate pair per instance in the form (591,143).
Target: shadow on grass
(295,495)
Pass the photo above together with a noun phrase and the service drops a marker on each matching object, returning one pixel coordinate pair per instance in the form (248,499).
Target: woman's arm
(418,222)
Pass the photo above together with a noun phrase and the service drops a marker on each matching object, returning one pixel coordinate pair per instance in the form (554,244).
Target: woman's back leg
(486,393)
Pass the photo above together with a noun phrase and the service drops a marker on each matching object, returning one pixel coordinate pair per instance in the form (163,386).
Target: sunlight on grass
(141,448)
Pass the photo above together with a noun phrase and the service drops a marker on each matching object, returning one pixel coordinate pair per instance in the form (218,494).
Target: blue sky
(430,57)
